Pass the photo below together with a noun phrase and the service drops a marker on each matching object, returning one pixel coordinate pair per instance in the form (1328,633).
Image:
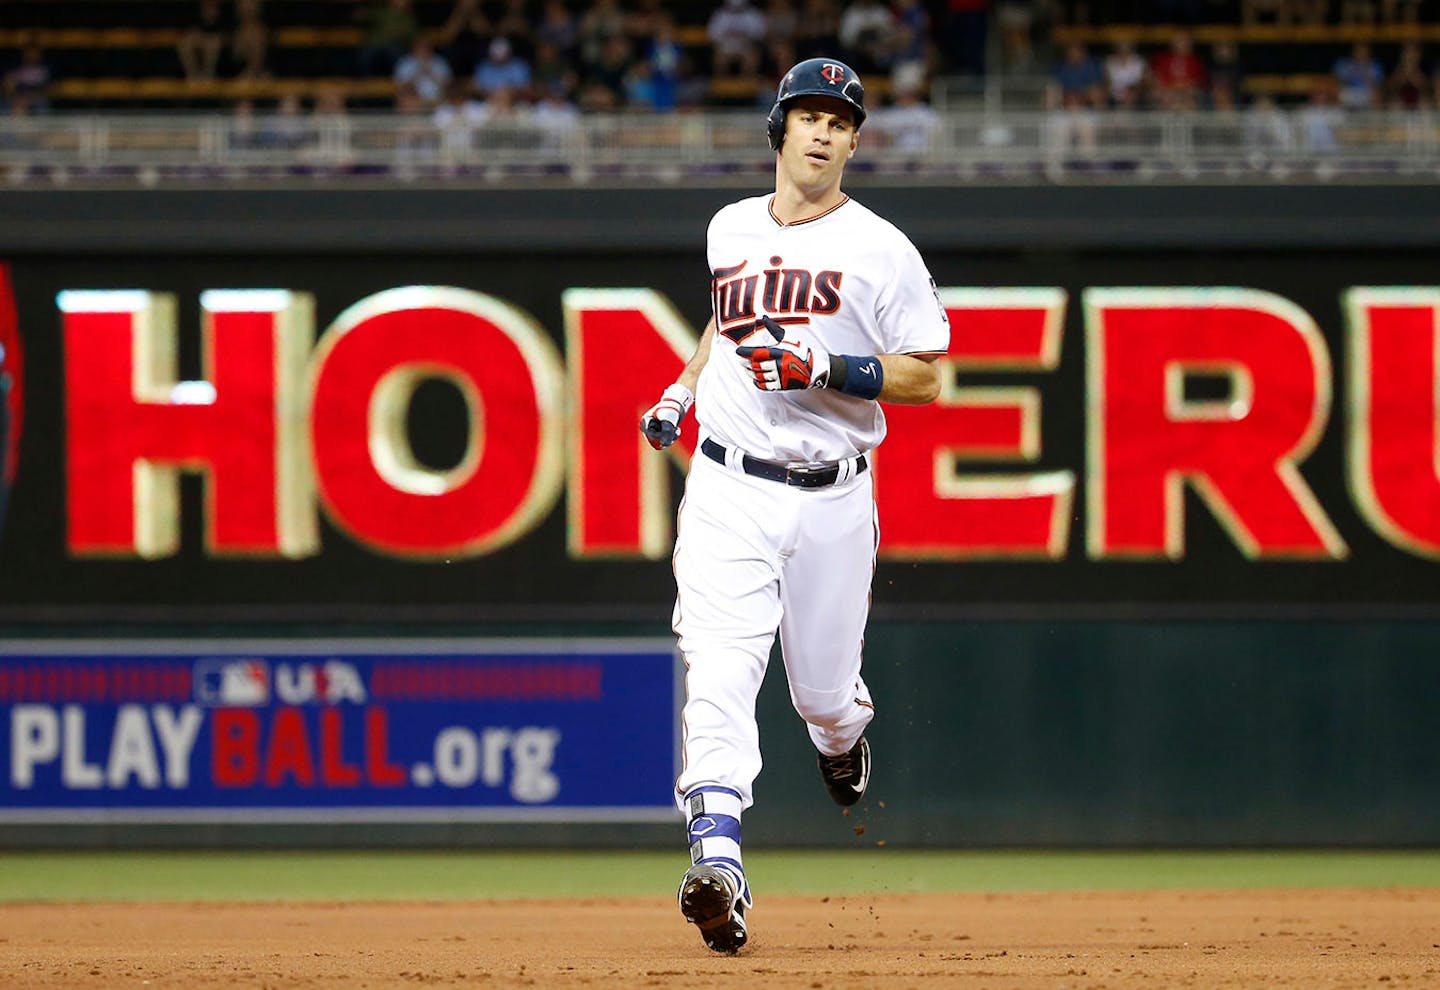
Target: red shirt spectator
(1178,75)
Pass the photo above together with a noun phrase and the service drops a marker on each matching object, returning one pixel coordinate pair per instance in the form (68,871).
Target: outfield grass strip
(444,875)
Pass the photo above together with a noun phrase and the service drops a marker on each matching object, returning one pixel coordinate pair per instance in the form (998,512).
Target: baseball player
(821,310)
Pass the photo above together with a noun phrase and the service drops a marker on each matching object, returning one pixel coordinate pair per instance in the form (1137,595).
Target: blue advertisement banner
(337,730)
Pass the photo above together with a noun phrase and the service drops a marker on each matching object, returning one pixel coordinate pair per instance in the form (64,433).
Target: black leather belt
(799,477)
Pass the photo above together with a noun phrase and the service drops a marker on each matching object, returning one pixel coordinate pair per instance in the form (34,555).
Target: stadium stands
(123,54)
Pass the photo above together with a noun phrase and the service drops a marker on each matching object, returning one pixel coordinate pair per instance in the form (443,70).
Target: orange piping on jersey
(770,208)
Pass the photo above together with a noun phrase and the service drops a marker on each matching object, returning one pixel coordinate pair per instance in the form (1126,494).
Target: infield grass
(445,875)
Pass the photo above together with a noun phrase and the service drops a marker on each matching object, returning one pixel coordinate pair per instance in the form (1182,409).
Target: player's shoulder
(878,234)
(874,224)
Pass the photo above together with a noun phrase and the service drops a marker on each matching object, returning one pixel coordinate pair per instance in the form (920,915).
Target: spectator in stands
(817,29)
(1077,83)
(330,119)
(457,117)
(244,131)
(1359,78)
(867,35)
(966,29)
(1408,87)
(817,32)
(1227,79)
(285,127)
(465,36)
(503,70)
(1075,93)
(1125,76)
(1015,20)
(553,72)
(778,62)
(28,85)
(910,59)
(250,44)
(1267,129)
(423,73)
(909,124)
(694,89)
(601,23)
(1178,75)
(603,84)
(557,118)
(736,31)
(558,27)
(514,23)
(392,28)
(1321,118)
(202,42)
(782,25)
(661,62)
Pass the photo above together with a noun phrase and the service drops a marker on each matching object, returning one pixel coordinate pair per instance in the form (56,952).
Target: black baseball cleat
(710,902)
(847,775)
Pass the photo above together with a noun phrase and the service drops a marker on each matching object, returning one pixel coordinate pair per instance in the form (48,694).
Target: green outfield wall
(1183,655)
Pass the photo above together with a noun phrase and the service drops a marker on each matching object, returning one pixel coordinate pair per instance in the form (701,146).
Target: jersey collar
(770,209)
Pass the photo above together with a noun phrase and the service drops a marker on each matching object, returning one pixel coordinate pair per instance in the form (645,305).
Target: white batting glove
(789,363)
(661,422)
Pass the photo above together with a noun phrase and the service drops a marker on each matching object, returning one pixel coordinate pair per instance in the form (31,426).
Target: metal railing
(1305,144)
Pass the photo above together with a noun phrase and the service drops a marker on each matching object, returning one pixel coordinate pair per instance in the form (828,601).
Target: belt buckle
(804,477)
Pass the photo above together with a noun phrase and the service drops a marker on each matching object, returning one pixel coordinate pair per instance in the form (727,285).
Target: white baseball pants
(752,556)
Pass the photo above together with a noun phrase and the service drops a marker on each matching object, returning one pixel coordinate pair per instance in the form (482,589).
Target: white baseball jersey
(847,280)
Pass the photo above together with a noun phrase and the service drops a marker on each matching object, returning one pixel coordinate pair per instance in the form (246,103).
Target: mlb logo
(232,682)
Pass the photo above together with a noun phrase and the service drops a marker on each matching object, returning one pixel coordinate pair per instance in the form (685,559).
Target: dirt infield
(1079,941)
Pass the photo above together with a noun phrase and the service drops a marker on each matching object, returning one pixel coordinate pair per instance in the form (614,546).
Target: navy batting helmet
(815,77)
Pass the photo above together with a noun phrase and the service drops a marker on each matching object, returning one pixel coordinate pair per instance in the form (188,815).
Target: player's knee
(824,708)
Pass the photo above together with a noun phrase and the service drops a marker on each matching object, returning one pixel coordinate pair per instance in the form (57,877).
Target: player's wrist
(860,375)
(681,395)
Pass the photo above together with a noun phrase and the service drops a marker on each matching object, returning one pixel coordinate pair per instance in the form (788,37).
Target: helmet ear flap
(775,126)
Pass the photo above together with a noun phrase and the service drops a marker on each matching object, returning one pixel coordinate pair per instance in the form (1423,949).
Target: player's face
(820,137)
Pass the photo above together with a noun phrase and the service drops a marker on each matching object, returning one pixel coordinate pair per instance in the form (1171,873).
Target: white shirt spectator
(425,73)
(736,28)
(1124,72)
(909,125)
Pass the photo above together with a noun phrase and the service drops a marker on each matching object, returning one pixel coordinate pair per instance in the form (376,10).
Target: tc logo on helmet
(832,72)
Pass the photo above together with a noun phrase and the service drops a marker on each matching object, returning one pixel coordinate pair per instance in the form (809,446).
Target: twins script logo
(782,291)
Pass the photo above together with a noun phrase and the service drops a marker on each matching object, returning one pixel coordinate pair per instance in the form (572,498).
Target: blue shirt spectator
(502,70)
(1078,79)
(1359,77)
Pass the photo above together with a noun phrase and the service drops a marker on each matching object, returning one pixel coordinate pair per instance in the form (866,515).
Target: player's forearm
(909,380)
(690,377)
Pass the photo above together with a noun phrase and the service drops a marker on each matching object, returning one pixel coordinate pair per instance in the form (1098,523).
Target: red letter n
(625,346)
